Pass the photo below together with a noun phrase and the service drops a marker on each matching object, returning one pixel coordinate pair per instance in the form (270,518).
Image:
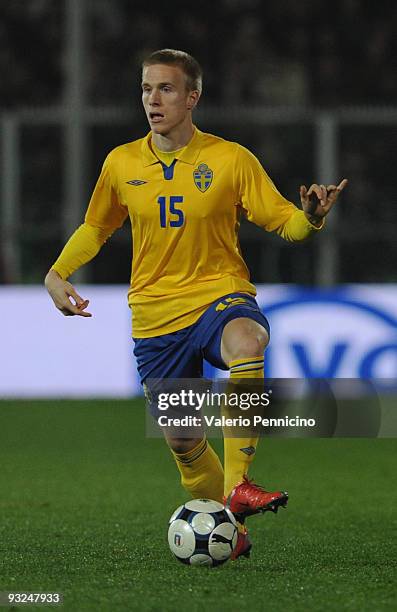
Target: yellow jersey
(185,219)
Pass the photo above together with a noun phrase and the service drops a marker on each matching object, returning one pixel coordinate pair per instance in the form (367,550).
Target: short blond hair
(173,57)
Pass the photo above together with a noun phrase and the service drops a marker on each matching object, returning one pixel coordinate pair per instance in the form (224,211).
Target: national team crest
(203,177)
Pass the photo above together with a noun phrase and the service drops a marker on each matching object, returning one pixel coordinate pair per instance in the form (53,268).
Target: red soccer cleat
(243,546)
(248,498)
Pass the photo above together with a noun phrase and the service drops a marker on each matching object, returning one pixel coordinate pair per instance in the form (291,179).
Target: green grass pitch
(85,499)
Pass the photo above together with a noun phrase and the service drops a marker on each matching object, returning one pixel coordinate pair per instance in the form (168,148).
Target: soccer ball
(202,532)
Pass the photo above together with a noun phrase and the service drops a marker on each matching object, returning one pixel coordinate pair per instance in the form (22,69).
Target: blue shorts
(181,354)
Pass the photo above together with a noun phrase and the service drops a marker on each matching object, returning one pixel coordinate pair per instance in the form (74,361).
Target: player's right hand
(65,297)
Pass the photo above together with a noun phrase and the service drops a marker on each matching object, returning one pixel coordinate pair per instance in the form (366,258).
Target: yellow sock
(239,452)
(201,471)
(248,367)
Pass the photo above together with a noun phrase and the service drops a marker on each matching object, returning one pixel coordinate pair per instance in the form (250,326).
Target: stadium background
(311,89)
(314,98)
(308,86)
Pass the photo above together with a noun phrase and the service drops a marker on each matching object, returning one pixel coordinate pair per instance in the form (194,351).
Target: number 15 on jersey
(176,216)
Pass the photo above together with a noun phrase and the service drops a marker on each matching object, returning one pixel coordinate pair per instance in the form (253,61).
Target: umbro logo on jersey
(136,182)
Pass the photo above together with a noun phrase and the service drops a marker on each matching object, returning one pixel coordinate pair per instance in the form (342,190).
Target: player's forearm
(298,227)
(81,247)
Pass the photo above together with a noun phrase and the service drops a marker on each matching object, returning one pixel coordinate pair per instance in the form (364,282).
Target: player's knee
(252,345)
(182,445)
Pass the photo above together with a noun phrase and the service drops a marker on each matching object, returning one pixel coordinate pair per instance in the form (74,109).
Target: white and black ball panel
(203,505)
(183,514)
(201,559)
(176,514)
(222,541)
(181,539)
(203,523)
(230,516)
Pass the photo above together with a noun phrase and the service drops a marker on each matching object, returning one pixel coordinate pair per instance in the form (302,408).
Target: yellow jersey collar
(188,155)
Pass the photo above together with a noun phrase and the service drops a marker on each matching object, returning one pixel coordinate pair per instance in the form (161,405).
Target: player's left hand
(318,200)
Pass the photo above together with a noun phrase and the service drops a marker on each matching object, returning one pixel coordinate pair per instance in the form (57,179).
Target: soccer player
(191,298)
